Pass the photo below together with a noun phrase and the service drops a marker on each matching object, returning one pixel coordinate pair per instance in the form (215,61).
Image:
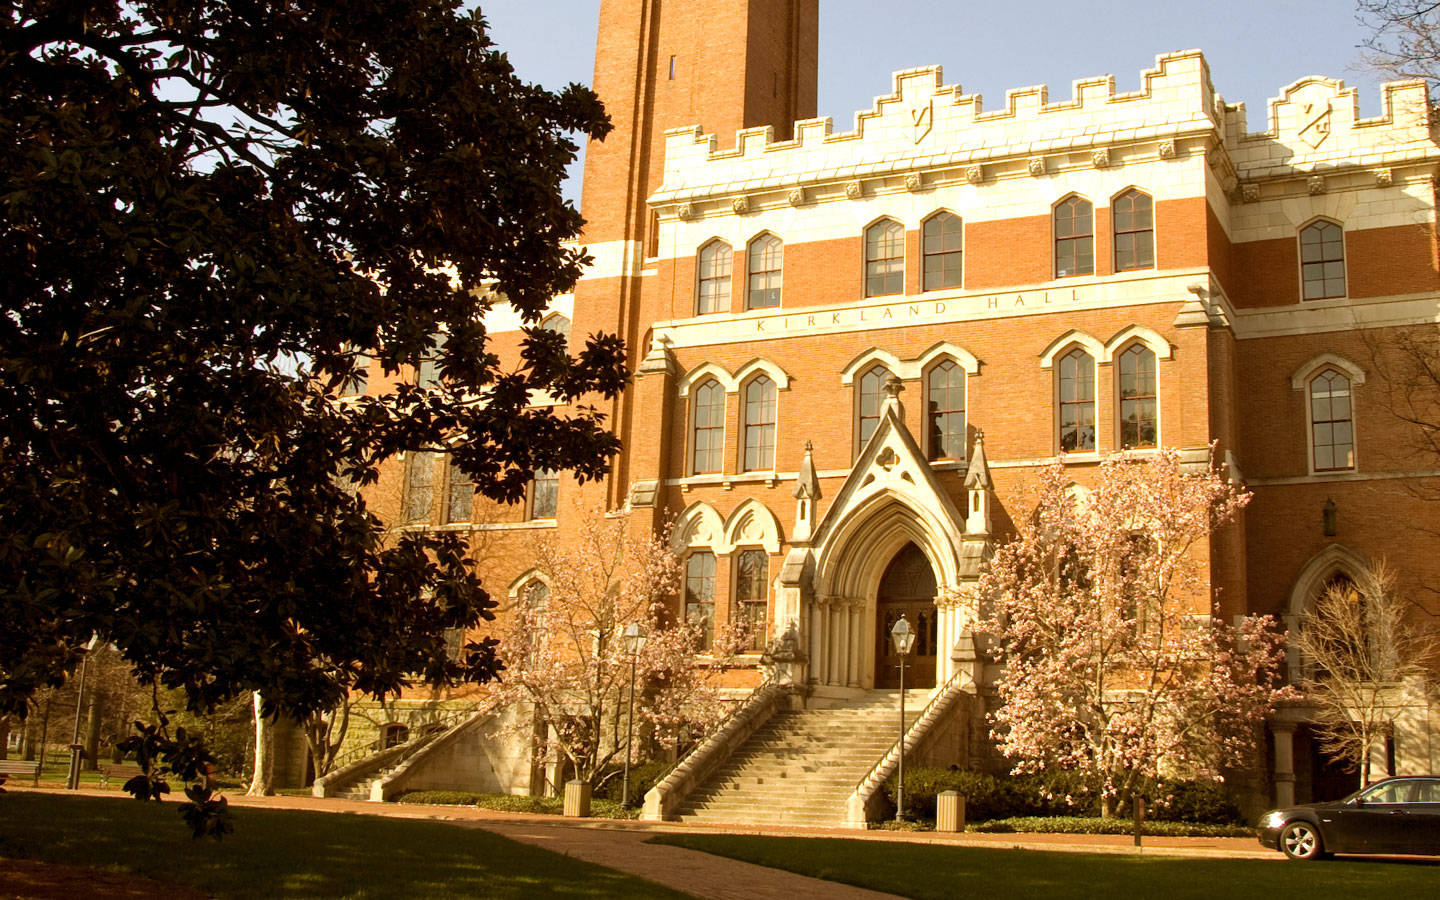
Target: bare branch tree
(1361,649)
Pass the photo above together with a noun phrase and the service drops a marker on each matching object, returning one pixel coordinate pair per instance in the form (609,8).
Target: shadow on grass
(286,853)
(928,871)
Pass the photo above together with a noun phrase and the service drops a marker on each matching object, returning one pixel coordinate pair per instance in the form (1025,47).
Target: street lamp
(904,638)
(633,639)
(72,781)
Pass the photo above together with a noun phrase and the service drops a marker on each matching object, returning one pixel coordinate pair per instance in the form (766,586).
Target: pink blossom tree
(1114,664)
(564,653)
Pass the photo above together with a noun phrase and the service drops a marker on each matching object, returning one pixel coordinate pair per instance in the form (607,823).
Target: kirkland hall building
(854,345)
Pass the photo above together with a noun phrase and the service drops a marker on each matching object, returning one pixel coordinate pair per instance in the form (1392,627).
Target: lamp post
(904,638)
(72,781)
(634,640)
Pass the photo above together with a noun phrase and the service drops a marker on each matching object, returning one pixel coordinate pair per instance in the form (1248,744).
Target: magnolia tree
(564,650)
(1360,651)
(1101,611)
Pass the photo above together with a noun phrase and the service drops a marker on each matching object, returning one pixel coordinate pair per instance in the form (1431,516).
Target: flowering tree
(564,650)
(1101,611)
(1360,651)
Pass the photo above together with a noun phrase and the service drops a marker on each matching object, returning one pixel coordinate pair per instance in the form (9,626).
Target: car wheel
(1301,840)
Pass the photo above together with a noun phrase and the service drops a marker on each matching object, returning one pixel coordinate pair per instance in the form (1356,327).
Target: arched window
(544,494)
(945,410)
(1322,260)
(759,424)
(714,267)
(1076,375)
(764,264)
(1134,218)
(708,427)
(752,579)
(943,237)
(884,258)
(700,595)
(393,735)
(1074,226)
(1139,421)
(1332,423)
(459,493)
(557,323)
(872,392)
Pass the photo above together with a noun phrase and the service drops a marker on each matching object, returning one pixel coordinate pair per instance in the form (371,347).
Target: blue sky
(1254,49)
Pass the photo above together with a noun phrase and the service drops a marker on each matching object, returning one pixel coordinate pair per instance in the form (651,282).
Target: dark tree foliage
(209,210)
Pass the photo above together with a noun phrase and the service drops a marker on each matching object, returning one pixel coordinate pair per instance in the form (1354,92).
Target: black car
(1394,816)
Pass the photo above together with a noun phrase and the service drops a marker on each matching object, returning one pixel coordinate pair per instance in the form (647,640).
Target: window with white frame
(700,595)
(1332,421)
(1074,230)
(707,428)
(759,424)
(544,494)
(1133,217)
(884,258)
(945,410)
(752,580)
(1075,376)
(1322,260)
(714,269)
(763,267)
(867,404)
(419,487)
(942,236)
(1139,411)
(459,493)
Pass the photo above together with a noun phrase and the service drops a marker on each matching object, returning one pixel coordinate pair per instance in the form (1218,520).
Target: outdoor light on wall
(633,640)
(904,637)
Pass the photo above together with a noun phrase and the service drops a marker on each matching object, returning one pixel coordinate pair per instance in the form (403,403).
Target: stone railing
(867,791)
(384,788)
(341,778)
(662,801)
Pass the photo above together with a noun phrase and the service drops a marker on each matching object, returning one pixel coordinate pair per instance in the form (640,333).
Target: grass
(550,806)
(295,854)
(928,871)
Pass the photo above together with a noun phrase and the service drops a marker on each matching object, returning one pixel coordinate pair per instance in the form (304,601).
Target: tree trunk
(1107,806)
(4,737)
(262,784)
(92,732)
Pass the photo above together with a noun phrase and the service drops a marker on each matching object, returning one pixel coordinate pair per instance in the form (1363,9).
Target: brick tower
(727,65)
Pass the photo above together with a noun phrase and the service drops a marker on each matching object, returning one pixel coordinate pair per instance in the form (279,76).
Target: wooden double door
(907,589)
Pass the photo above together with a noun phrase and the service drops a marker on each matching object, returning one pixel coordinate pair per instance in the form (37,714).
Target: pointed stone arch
(753,524)
(699,526)
(1335,559)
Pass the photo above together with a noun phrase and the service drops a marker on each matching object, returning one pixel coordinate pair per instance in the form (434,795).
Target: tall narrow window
(1332,423)
(544,494)
(1134,217)
(427,370)
(872,385)
(1074,237)
(709,427)
(760,424)
(355,385)
(714,294)
(765,260)
(752,577)
(943,239)
(419,487)
(1138,420)
(1077,401)
(1322,260)
(459,493)
(945,405)
(700,595)
(884,258)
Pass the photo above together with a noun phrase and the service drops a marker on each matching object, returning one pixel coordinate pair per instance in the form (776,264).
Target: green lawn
(283,853)
(944,873)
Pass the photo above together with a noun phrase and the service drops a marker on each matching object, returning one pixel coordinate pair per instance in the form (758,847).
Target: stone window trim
(883,272)
(758,600)
(542,497)
(714,262)
(519,589)
(1072,236)
(935,247)
(1136,349)
(1320,243)
(556,322)
(1076,370)
(764,271)
(732,382)
(912,369)
(1137,231)
(1304,380)
(1107,351)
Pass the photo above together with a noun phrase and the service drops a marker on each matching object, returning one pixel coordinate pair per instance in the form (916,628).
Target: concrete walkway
(621,845)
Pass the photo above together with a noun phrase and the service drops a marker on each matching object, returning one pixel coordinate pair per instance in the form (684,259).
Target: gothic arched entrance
(908,589)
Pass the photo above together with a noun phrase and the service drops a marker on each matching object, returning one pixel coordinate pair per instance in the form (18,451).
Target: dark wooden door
(907,589)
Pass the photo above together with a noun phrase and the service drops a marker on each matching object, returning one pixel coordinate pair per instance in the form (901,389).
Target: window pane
(760,424)
(544,494)
(1077,404)
(714,295)
(1322,258)
(460,494)
(709,427)
(942,240)
(884,259)
(871,384)
(945,401)
(419,481)
(764,266)
(751,588)
(700,595)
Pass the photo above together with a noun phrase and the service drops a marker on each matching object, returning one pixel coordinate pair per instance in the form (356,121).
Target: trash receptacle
(950,811)
(577,799)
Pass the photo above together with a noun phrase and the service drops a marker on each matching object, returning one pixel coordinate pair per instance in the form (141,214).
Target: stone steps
(801,766)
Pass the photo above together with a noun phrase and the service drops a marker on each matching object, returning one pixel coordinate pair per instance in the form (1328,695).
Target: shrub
(549,806)
(1096,825)
(642,778)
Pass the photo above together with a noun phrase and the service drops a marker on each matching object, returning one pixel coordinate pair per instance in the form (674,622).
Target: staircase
(360,790)
(800,767)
